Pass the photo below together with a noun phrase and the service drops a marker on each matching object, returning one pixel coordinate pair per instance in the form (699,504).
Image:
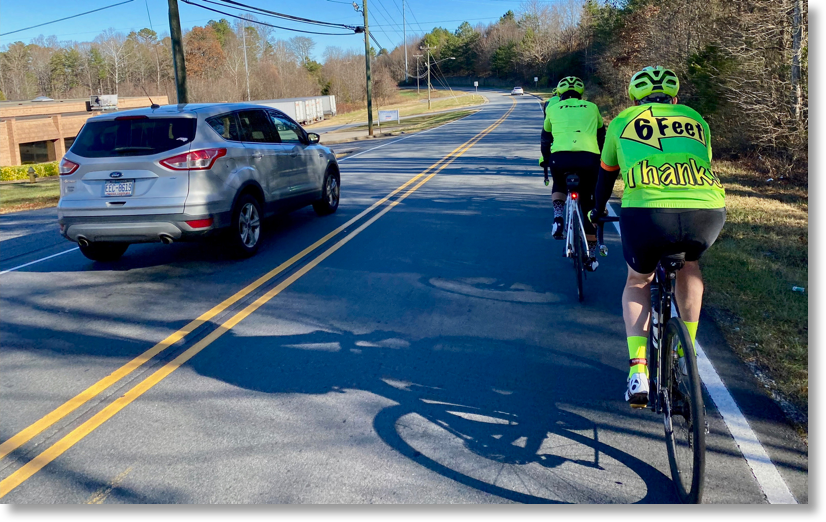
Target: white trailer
(295,109)
(329,104)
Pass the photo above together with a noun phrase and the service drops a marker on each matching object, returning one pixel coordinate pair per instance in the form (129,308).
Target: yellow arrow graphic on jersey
(650,130)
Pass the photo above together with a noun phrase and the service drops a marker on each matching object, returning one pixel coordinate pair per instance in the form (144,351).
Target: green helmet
(570,83)
(651,80)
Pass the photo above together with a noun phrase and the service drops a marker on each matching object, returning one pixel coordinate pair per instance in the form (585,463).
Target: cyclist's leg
(560,163)
(643,239)
(699,230)
(589,172)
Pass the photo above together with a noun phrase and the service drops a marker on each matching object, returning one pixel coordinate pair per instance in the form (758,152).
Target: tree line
(743,64)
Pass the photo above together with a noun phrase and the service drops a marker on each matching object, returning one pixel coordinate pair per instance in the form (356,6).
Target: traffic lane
(153,291)
(372,358)
(378,329)
(33,231)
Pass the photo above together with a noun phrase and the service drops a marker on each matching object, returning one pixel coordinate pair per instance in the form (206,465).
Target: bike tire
(578,267)
(683,414)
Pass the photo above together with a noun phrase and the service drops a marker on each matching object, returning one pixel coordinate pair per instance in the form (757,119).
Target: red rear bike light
(202,159)
(574,195)
(200,223)
(67,167)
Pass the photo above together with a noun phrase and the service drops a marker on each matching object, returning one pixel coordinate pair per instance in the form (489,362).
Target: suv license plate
(118,188)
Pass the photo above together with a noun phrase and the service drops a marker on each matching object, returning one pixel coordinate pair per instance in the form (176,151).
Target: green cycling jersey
(573,124)
(663,152)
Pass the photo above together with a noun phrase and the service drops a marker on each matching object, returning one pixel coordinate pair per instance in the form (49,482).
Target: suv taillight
(202,159)
(67,167)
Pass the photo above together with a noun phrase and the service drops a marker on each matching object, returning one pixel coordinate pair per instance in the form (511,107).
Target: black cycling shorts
(648,234)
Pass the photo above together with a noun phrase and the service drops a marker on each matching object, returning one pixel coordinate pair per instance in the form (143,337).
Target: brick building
(35,132)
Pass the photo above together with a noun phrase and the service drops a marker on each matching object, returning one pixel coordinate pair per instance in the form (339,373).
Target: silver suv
(184,172)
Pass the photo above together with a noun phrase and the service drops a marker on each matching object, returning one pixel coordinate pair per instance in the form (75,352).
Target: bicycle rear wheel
(684,414)
(578,253)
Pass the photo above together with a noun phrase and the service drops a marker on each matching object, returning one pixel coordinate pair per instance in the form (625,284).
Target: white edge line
(38,260)
(768,478)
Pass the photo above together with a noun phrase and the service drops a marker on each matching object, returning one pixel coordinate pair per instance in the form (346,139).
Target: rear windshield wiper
(131,149)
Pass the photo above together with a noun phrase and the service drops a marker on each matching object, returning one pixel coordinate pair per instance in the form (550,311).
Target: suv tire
(104,252)
(330,194)
(245,229)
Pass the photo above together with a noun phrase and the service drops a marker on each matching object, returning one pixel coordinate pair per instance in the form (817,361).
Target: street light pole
(417,56)
(428,48)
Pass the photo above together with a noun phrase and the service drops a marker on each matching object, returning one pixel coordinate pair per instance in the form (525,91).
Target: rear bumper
(139,229)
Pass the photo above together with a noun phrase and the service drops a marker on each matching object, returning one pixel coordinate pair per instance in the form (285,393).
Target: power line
(267,12)
(263,23)
(66,18)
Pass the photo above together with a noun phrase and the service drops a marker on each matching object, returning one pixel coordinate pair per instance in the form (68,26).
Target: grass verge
(29,196)
(411,105)
(761,254)
(417,124)
(749,273)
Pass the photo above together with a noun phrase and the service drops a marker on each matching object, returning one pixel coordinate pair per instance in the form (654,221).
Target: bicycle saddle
(673,262)
(572,180)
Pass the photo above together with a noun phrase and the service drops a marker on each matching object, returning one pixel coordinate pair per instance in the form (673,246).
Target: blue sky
(385,17)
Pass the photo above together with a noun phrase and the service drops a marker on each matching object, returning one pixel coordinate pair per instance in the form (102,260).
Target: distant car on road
(517,90)
(186,172)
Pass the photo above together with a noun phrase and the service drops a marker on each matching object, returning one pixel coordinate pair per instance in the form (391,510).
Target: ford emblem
(116,174)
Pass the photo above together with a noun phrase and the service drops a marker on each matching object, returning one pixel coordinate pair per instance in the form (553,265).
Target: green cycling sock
(636,355)
(691,326)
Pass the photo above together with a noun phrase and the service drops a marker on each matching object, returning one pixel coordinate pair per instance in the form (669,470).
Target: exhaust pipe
(82,241)
(166,239)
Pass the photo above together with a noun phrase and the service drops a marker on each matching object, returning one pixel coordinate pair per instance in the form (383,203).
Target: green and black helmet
(651,80)
(570,83)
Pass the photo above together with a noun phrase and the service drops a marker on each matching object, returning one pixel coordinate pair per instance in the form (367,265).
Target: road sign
(104,102)
(389,116)
(536,78)
(476,84)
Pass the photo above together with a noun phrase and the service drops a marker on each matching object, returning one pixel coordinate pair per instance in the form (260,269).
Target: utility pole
(369,78)
(246,69)
(404,28)
(177,52)
(417,56)
(428,49)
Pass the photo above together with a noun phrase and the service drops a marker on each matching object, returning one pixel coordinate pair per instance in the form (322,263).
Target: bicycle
(576,244)
(675,390)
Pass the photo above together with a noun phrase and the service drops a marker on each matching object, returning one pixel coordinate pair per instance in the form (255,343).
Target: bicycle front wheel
(684,413)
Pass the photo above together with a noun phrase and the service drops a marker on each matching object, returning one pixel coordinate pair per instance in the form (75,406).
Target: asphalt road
(431,350)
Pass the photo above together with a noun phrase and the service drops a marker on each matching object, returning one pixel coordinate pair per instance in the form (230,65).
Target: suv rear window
(133,137)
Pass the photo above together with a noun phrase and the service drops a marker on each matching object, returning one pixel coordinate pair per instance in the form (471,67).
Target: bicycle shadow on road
(482,413)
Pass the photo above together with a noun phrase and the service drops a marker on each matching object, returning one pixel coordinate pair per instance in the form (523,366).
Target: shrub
(43,170)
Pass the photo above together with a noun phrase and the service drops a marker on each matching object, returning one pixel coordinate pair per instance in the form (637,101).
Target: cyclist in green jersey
(576,135)
(672,203)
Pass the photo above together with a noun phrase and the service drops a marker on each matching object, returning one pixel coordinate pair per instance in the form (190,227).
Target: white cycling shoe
(637,393)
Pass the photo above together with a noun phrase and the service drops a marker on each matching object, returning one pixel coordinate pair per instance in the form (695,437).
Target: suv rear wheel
(104,252)
(245,230)
(330,194)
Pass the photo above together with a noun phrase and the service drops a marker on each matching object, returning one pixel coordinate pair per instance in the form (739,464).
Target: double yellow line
(75,436)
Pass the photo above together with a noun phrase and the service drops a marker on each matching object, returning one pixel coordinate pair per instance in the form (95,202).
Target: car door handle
(257,155)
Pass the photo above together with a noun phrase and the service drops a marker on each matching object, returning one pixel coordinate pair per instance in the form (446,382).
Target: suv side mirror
(313,137)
